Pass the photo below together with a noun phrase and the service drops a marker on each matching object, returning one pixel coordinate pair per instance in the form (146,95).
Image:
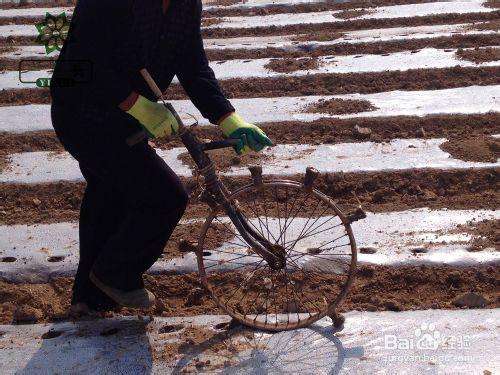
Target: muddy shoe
(137,299)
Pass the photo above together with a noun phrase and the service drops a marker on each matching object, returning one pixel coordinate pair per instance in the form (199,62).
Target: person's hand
(156,120)
(251,137)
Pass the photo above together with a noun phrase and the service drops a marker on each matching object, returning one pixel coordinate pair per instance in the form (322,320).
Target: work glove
(156,120)
(251,137)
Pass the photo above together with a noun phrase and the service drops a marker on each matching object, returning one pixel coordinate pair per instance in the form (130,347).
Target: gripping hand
(251,137)
(156,120)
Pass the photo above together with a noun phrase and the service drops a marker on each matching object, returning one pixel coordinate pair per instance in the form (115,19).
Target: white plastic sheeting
(395,11)
(283,160)
(43,251)
(35,12)
(463,100)
(279,41)
(442,341)
(397,154)
(350,37)
(427,58)
(40,167)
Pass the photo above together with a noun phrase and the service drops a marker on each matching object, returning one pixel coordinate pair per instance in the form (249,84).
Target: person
(132,200)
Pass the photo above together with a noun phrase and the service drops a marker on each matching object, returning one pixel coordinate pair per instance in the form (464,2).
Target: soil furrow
(374,48)
(329,27)
(376,288)
(326,130)
(314,84)
(318,31)
(231,12)
(386,191)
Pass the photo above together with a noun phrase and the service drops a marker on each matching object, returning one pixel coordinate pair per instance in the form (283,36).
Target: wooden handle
(151,83)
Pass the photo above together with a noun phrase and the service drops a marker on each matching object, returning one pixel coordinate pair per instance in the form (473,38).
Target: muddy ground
(377,191)
(314,84)
(375,289)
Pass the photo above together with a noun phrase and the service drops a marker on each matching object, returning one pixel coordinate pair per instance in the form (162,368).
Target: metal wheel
(320,257)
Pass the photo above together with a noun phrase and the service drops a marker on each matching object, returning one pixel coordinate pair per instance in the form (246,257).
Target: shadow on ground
(312,350)
(112,347)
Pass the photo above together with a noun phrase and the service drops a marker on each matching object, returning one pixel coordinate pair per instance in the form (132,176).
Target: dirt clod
(479,55)
(479,149)
(367,250)
(340,106)
(292,65)
(470,299)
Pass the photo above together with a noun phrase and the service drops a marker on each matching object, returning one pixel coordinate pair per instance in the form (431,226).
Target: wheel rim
(320,260)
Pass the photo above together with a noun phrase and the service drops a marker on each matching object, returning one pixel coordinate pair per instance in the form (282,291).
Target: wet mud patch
(292,65)
(338,106)
(478,149)
(376,288)
(479,55)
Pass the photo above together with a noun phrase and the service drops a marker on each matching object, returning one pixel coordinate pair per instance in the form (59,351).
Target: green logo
(52,32)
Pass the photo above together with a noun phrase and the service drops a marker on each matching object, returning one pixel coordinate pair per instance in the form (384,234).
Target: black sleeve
(98,32)
(198,79)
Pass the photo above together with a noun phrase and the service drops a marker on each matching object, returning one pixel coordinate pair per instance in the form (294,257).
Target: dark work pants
(132,201)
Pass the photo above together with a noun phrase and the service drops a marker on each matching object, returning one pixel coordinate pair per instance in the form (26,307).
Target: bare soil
(313,84)
(189,232)
(374,48)
(480,149)
(226,158)
(304,8)
(292,65)
(495,4)
(485,234)
(352,13)
(479,55)
(340,106)
(441,19)
(326,130)
(312,51)
(377,191)
(186,342)
(376,288)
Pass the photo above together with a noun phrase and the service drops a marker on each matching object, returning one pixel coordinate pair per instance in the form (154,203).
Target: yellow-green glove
(251,137)
(156,120)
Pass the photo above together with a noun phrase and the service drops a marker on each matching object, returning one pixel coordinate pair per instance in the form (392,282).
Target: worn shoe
(137,299)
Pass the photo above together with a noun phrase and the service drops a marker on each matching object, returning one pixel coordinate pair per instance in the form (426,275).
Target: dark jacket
(111,40)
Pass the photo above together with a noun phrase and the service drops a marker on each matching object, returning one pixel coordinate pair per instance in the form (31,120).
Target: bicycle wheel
(320,257)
